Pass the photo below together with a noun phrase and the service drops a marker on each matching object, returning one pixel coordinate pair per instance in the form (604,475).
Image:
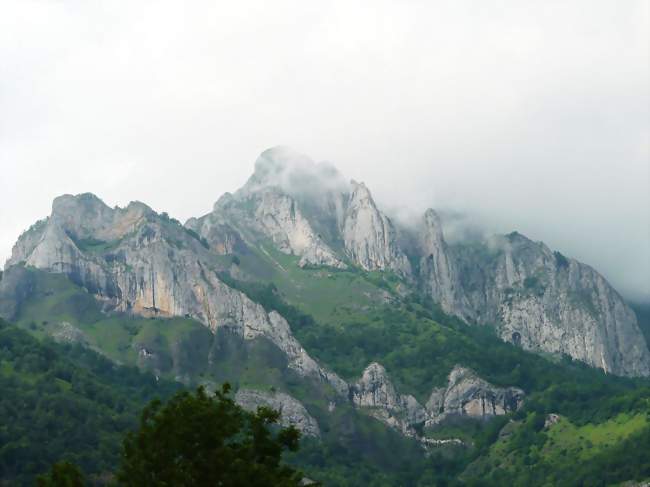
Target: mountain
(536,298)
(364,332)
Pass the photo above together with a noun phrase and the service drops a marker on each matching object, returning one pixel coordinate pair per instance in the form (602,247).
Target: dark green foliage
(197,439)
(64,403)
(63,474)
(418,352)
(534,285)
(630,460)
(561,261)
(524,462)
(198,237)
(75,405)
(164,216)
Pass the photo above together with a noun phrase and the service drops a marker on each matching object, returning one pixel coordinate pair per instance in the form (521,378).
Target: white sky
(532,116)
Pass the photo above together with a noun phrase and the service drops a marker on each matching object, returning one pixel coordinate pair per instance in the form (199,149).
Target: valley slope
(366,333)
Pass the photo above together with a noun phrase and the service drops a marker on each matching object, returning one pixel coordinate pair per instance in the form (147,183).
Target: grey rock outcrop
(438,270)
(278,216)
(468,395)
(67,333)
(465,395)
(536,298)
(370,237)
(267,213)
(292,412)
(543,301)
(375,392)
(152,266)
(551,419)
(136,261)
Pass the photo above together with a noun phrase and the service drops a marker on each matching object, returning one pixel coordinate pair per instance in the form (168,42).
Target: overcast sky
(529,115)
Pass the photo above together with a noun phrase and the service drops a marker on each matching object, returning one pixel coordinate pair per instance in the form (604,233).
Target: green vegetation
(564,454)
(63,402)
(55,300)
(560,260)
(63,474)
(198,439)
(345,319)
(419,352)
(329,295)
(418,345)
(534,285)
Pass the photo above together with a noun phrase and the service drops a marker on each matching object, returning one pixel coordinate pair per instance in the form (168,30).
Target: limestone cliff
(438,272)
(466,394)
(292,412)
(543,301)
(267,213)
(375,391)
(136,261)
(370,237)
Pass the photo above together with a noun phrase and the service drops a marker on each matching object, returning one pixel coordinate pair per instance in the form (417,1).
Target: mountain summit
(136,261)
(381,342)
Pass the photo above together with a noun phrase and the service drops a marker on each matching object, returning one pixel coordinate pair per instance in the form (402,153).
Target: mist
(527,116)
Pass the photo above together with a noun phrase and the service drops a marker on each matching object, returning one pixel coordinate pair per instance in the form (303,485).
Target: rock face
(375,391)
(289,197)
(369,235)
(136,261)
(292,412)
(67,333)
(543,301)
(536,298)
(438,270)
(15,286)
(466,394)
(267,213)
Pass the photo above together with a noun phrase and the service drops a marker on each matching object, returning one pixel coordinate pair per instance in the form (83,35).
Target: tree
(63,474)
(202,440)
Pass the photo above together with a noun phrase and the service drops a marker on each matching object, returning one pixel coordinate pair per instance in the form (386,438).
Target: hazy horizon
(532,118)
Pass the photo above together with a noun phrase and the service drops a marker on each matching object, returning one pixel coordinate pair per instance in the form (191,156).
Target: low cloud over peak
(532,116)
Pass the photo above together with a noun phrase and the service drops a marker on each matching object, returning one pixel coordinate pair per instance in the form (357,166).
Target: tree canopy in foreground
(198,439)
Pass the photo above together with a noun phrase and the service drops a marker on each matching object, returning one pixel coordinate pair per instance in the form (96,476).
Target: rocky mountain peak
(537,299)
(68,203)
(273,163)
(81,214)
(295,174)
(360,194)
(370,238)
(432,220)
(466,394)
(85,216)
(438,270)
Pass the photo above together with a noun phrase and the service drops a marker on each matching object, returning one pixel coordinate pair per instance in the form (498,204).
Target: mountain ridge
(535,298)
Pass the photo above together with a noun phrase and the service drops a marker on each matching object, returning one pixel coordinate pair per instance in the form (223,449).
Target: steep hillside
(368,335)
(536,298)
(64,402)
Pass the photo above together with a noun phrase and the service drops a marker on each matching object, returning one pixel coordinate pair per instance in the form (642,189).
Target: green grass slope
(64,402)
(347,319)
(566,454)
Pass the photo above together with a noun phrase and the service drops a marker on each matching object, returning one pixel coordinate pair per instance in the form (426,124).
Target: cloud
(527,115)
